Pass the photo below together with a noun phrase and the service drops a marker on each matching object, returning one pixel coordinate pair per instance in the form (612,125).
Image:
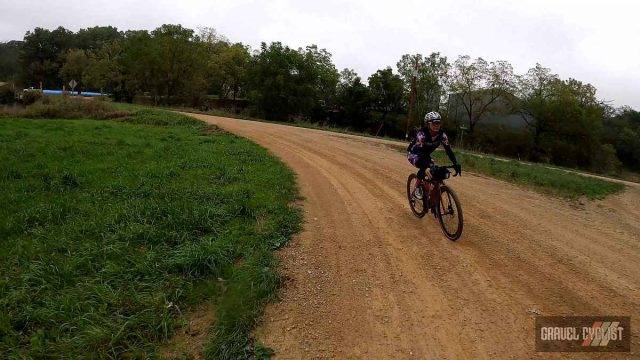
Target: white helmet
(432,116)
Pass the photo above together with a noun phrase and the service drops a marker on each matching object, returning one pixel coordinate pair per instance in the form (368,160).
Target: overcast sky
(595,42)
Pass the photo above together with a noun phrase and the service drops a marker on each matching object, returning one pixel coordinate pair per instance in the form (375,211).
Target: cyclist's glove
(458,169)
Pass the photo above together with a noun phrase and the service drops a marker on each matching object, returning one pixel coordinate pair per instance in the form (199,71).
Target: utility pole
(412,97)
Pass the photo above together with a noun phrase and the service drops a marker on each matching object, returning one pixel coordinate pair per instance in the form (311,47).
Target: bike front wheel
(449,213)
(417,204)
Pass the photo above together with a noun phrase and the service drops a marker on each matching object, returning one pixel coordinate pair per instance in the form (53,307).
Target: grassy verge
(536,176)
(110,230)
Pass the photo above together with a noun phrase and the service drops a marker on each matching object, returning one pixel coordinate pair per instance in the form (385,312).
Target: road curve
(366,279)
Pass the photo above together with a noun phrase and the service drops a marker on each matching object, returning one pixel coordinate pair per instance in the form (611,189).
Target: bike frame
(431,200)
(434,193)
(435,188)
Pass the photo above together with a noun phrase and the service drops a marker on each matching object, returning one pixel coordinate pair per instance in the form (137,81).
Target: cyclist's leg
(422,171)
(422,164)
(430,170)
(431,167)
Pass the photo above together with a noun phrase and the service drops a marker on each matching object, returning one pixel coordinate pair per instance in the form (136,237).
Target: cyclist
(427,139)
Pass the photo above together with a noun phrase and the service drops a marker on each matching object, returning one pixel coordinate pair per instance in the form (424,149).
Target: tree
(387,94)
(104,71)
(178,63)
(280,85)
(211,37)
(228,69)
(327,77)
(286,82)
(137,65)
(10,61)
(95,38)
(478,86)
(534,89)
(565,118)
(354,100)
(40,54)
(430,76)
(75,65)
(214,46)
(622,132)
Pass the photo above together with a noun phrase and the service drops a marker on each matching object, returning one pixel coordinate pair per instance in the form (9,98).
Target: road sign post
(73,85)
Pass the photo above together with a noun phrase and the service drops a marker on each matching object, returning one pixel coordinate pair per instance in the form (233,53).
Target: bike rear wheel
(418,206)
(449,213)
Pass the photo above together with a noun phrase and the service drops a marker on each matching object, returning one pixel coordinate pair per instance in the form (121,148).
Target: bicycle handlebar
(453,167)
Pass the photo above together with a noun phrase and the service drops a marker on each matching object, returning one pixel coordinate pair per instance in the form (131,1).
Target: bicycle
(439,198)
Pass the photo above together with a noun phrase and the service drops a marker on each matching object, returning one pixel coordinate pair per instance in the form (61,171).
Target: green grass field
(110,231)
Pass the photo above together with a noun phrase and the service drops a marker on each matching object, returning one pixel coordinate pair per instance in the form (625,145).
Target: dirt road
(369,280)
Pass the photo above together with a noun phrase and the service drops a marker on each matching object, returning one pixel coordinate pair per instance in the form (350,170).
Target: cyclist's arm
(447,149)
(413,141)
(417,139)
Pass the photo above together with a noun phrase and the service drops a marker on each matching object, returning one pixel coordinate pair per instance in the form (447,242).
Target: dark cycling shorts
(421,162)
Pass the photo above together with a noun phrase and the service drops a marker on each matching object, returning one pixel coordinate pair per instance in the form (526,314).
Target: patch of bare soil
(188,342)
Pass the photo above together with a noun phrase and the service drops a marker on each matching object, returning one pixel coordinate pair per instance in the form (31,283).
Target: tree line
(564,122)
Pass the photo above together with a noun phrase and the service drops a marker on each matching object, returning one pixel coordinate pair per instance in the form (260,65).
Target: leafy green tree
(327,78)
(178,63)
(622,132)
(94,38)
(10,61)
(281,84)
(75,65)
(387,94)
(137,64)
(104,71)
(41,55)
(216,47)
(286,82)
(168,63)
(479,86)
(566,120)
(227,69)
(536,87)
(211,38)
(354,100)
(431,76)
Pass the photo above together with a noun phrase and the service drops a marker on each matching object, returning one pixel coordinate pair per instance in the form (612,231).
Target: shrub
(72,108)
(606,160)
(30,96)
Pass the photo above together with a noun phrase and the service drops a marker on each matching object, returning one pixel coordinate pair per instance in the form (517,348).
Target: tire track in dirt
(368,280)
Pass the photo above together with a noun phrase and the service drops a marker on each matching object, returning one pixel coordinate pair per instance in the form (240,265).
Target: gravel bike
(433,194)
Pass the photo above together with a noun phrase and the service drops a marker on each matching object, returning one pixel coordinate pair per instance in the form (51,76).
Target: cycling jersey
(423,145)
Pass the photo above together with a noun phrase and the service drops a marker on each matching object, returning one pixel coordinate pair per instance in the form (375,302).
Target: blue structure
(83,93)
